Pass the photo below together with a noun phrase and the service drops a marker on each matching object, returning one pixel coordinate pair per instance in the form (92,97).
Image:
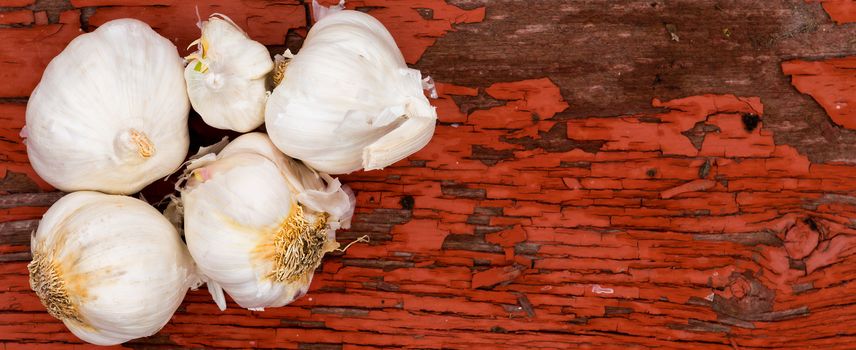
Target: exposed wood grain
(612,60)
(17,232)
(640,174)
(29,199)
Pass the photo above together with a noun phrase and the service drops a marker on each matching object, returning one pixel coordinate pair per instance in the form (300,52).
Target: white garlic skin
(348,101)
(223,229)
(124,265)
(245,195)
(100,102)
(231,90)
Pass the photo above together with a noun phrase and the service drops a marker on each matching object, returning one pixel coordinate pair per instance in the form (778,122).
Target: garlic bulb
(112,268)
(257,223)
(110,113)
(227,76)
(348,100)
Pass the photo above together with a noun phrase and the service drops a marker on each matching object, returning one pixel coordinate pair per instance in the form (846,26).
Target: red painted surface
(25,52)
(517,228)
(841,11)
(418,22)
(16,17)
(831,83)
(265,22)
(14,153)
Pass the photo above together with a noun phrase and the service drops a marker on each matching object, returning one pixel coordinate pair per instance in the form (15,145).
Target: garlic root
(46,280)
(145,148)
(299,246)
(133,144)
(280,62)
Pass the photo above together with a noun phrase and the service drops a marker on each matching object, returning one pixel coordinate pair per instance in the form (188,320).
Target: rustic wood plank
(638,174)
(612,60)
(29,199)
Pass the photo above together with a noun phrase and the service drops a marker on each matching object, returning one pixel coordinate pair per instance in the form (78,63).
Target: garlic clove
(227,76)
(405,140)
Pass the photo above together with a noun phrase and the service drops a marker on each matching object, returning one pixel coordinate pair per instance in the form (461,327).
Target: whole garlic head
(257,223)
(110,113)
(347,100)
(227,76)
(112,268)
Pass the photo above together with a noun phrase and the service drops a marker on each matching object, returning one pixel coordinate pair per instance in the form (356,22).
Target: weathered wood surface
(625,174)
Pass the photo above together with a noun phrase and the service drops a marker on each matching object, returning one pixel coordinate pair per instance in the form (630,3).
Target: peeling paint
(832,83)
(841,11)
(504,231)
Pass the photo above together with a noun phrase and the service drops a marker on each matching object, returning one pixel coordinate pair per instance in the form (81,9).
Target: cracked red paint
(176,20)
(42,43)
(800,240)
(16,17)
(841,11)
(419,22)
(516,227)
(494,276)
(831,83)
(13,154)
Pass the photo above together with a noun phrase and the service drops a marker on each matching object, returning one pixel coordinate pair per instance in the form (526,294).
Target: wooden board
(624,174)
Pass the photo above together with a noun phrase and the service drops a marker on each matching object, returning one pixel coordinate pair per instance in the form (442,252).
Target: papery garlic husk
(227,76)
(257,223)
(348,101)
(110,113)
(112,268)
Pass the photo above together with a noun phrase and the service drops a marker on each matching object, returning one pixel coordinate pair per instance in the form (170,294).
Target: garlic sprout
(112,268)
(110,113)
(348,100)
(226,76)
(257,223)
